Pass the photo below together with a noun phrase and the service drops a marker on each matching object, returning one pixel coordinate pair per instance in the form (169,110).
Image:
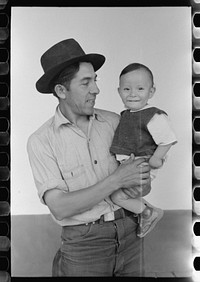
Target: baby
(144,131)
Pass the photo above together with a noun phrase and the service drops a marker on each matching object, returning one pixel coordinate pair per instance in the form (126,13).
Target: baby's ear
(152,91)
(119,91)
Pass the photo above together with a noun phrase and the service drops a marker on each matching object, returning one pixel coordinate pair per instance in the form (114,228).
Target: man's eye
(140,88)
(126,89)
(85,83)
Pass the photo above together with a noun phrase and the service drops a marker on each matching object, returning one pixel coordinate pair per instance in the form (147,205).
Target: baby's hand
(128,160)
(155,162)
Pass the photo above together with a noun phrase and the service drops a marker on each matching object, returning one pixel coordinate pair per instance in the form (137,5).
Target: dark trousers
(101,249)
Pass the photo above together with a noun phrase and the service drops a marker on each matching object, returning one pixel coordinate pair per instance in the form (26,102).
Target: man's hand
(138,191)
(133,173)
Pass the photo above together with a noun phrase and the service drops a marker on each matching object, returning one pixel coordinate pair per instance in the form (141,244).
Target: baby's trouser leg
(121,199)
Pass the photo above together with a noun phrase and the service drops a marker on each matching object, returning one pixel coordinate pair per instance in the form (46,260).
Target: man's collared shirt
(63,157)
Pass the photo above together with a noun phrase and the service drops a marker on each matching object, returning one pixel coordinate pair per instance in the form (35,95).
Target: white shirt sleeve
(161,130)
(44,168)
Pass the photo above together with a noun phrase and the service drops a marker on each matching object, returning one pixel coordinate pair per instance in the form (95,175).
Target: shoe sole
(160,215)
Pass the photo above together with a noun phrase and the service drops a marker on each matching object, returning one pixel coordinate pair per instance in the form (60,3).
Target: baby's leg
(121,199)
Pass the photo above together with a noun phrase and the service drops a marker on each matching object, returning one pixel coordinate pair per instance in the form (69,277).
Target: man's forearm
(66,204)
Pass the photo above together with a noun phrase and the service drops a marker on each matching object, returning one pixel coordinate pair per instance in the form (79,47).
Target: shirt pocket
(75,178)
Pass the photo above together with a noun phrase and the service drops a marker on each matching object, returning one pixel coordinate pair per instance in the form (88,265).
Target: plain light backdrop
(159,37)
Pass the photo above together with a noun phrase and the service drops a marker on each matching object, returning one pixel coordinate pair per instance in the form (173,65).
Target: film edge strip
(5,255)
(5,242)
(196,139)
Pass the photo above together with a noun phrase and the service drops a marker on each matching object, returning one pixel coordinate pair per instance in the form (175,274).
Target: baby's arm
(163,135)
(156,160)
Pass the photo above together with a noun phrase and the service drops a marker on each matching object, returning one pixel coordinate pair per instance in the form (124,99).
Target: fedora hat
(61,55)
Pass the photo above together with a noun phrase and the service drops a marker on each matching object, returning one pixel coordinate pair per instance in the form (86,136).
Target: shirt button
(95,161)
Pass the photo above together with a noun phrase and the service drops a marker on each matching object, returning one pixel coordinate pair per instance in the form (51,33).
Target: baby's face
(135,89)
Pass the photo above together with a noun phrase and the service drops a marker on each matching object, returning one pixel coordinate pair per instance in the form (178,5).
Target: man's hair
(136,66)
(65,77)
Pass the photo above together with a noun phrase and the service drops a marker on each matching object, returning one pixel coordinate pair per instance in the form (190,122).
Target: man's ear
(152,92)
(60,91)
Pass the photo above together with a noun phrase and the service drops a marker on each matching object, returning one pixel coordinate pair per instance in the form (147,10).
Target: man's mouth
(91,101)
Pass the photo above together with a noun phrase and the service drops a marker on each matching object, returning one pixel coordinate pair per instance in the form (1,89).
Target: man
(75,174)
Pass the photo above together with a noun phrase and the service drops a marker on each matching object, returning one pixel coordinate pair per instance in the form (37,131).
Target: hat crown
(63,51)
(59,57)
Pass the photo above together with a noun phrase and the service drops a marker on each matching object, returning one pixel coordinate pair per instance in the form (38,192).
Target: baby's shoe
(148,220)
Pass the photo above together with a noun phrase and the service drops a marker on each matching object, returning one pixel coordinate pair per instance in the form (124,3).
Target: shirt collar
(60,119)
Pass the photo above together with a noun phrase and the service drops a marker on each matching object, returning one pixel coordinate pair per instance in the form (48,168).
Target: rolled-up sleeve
(44,166)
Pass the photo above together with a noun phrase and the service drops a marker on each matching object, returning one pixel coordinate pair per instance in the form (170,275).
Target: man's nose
(94,89)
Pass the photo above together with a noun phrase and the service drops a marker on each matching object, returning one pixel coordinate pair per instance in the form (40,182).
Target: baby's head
(136,86)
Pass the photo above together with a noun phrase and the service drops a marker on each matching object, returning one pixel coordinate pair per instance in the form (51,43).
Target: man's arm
(66,204)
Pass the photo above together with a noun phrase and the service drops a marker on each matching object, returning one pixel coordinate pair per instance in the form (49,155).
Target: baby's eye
(140,88)
(126,89)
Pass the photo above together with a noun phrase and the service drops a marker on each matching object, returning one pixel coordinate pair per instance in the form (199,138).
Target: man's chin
(90,112)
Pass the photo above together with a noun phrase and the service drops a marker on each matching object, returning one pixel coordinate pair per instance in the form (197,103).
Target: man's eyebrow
(89,77)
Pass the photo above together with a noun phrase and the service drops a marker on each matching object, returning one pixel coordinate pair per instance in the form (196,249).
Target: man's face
(83,90)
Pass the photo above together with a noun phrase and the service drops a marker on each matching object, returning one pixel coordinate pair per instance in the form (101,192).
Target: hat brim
(43,84)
